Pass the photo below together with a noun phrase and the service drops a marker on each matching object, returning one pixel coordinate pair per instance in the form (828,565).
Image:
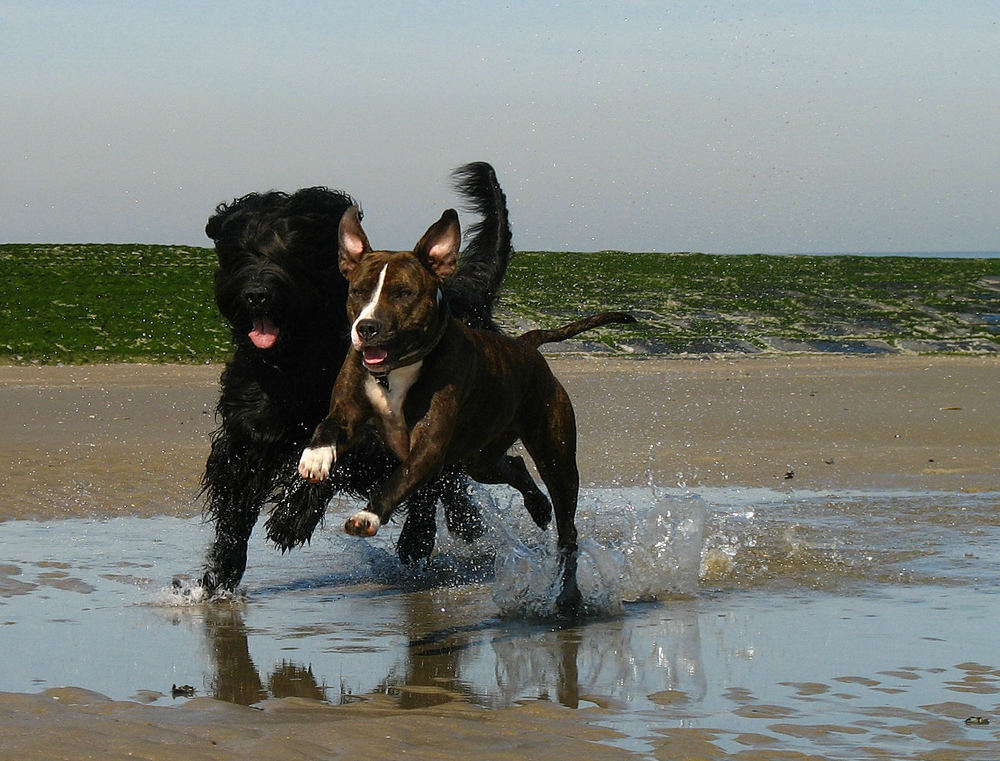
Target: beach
(132,439)
(94,443)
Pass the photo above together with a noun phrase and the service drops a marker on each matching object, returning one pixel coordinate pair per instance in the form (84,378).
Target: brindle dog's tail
(536,338)
(483,263)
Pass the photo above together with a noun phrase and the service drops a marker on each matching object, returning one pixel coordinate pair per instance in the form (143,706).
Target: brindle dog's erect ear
(352,241)
(438,249)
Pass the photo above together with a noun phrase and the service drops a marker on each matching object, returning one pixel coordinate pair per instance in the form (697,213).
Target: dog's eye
(403,294)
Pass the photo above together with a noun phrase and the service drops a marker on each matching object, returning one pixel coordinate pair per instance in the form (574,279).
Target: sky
(725,127)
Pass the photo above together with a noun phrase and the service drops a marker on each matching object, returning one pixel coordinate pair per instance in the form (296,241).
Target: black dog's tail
(536,338)
(473,289)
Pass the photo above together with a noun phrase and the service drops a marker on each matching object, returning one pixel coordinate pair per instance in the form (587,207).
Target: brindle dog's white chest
(387,399)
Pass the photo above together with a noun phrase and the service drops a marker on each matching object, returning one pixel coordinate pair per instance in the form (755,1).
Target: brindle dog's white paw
(363,523)
(315,463)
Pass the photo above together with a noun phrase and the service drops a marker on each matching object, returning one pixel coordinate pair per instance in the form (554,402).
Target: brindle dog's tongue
(264,333)
(374,356)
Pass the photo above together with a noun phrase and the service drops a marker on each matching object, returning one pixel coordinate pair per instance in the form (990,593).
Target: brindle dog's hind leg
(552,445)
(513,472)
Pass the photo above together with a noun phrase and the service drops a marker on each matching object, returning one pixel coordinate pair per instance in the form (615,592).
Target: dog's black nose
(256,297)
(368,328)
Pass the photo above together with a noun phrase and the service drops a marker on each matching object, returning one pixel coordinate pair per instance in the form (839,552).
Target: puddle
(752,612)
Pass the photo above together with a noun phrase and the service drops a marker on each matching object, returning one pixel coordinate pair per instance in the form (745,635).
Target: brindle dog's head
(394,299)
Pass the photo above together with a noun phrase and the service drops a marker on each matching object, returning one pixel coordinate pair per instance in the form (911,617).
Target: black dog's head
(278,284)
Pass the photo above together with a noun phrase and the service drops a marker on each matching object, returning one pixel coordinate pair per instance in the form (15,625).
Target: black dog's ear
(212,228)
(352,240)
(438,249)
(216,222)
(231,219)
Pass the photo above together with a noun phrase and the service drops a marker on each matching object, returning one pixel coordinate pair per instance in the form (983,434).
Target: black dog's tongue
(264,333)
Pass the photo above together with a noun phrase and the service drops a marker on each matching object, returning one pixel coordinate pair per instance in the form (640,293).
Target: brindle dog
(441,393)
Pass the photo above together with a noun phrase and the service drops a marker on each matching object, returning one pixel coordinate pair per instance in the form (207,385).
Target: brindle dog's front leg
(335,435)
(318,458)
(426,458)
(402,483)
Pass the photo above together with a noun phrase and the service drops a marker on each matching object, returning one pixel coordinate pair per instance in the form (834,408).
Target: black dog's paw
(416,540)
(297,513)
(462,516)
(288,528)
(183,584)
(184,590)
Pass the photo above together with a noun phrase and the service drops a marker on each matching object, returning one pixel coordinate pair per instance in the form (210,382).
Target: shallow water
(836,623)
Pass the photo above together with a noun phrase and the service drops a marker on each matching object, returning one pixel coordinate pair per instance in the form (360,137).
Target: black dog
(279,287)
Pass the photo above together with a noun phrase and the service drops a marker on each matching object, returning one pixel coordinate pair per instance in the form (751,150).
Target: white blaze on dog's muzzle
(368,311)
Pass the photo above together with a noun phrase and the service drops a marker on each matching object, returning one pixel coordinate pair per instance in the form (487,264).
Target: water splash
(663,553)
(185,592)
(646,548)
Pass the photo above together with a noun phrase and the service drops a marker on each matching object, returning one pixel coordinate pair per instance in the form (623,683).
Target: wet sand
(77,724)
(73,435)
(131,440)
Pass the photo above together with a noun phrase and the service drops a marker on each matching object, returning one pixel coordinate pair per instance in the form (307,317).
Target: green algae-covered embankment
(123,303)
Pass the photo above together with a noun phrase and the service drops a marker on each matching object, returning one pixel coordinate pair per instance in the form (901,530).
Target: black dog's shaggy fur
(279,287)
